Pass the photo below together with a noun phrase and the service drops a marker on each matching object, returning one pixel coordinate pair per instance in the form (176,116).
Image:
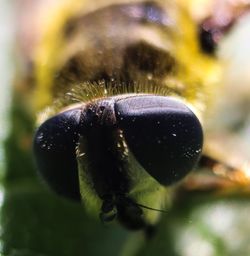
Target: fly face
(131,133)
(103,140)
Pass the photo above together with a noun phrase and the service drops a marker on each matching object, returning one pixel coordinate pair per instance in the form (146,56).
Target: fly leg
(217,176)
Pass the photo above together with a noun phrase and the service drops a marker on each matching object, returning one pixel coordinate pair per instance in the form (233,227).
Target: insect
(134,87)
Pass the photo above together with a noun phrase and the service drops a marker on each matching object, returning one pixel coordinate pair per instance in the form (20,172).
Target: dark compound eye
(55,152)
(164,135)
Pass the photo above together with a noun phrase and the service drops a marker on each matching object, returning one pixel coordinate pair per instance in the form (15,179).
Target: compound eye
(54,149)
(164,135)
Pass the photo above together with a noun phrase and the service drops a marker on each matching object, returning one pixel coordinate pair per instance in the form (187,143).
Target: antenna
(150,208)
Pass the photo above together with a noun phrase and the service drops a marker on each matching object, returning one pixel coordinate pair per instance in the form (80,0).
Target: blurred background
(6,64)
(35,222)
